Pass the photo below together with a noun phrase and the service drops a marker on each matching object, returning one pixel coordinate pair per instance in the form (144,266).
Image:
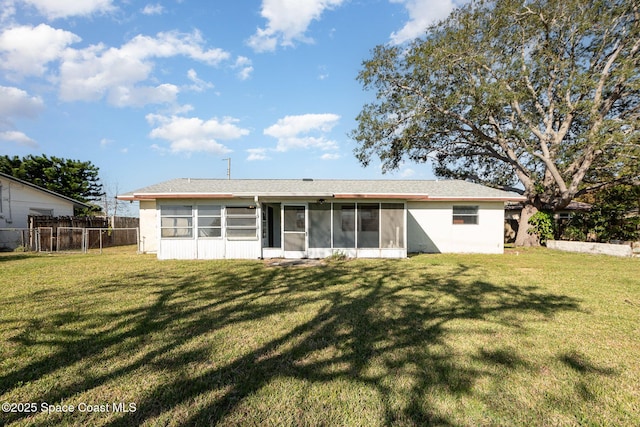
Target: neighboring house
(513,210)
(213,219)
(19,199)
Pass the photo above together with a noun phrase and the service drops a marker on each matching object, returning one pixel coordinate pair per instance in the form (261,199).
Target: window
(210,221)
(176,222)
(465,215)
(40,212)
(368,225)
(242,223)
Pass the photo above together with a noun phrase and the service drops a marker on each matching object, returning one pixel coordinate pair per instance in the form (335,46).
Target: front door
(294,229)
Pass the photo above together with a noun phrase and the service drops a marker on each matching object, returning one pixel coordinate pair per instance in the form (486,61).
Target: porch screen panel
(392,225)
(319,225)
(209,221)
(368,225)
(241,222)
(176,222)
(344,225)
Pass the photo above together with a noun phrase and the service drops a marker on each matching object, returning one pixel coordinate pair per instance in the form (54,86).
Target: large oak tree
(536,96)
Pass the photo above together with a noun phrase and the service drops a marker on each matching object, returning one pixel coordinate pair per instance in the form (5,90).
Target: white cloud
(194,134)
(323,73)
(198,85)
(53,9)
(153,9)
(422,13)
(7,10)
(257,154)
(246,68)
(408,172)
(16,102)
(27,50)
(294,125)
(18,138)
(124,96)
(304,142)
(88,74)
(293,132)
(330,156)
(287,21)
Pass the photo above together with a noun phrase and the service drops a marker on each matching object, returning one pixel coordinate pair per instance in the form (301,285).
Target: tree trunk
(523,238)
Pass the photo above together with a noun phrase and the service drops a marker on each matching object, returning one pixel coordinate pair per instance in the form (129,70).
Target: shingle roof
(75,202)
(409,189)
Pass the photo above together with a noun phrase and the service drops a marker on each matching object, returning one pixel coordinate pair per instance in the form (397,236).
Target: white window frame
(232,216)
(475,216)
(202,227)
(175,227)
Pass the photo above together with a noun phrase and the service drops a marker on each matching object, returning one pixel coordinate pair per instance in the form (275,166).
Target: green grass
(532,337)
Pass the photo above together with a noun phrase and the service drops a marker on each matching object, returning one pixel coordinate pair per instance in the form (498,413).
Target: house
(20,199)
(212,219)
(513,210)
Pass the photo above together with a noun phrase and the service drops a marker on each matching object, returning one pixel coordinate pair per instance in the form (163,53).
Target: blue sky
(160,90)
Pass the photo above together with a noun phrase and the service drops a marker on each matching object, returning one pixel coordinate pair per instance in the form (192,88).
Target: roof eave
(476,199)
(76,203)
(408,197)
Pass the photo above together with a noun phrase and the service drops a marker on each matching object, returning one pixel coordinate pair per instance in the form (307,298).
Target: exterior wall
(194,247)
(358,253)
(148,227)
(17,199)
(431,229)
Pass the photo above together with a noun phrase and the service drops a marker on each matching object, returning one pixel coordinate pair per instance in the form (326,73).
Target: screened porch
(320,229)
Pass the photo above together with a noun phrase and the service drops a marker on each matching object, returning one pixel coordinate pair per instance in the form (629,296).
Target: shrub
(542,225)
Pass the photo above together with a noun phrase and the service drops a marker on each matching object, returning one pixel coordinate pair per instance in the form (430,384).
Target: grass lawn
(529,338)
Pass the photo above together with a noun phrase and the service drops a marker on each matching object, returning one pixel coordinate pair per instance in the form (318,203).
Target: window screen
(319,225)
(176,222)
(209,221)
(465,215)
(242,223)
(368,225)
(392,225)
(344,225)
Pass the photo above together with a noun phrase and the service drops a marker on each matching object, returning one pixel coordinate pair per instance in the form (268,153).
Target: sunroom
(207,229)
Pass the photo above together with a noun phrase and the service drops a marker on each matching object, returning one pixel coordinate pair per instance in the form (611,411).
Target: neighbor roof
(324,188)
(76,203)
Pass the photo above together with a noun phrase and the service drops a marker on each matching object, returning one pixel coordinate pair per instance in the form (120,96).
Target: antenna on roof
(228,159)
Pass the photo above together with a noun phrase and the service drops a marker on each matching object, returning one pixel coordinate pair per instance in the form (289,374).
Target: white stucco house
(308,218)
(19,199)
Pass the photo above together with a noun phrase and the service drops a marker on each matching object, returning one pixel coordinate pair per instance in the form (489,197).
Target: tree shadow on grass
(385,326)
